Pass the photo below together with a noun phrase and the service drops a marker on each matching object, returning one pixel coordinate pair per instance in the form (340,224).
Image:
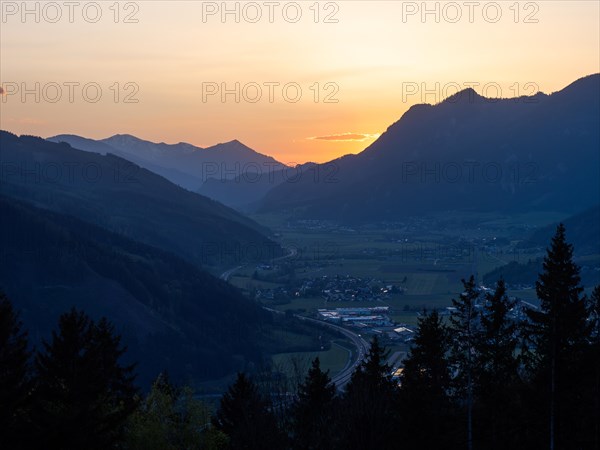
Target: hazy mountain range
(245,191)
(184,164)
(118,195)
(100,233)
(465,153)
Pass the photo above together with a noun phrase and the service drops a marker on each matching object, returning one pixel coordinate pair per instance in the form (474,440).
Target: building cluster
(376,316)
(517,313)
(348,289)
(334,289)
(375,320)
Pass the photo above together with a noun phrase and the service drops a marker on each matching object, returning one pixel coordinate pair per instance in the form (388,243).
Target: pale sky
(373,61)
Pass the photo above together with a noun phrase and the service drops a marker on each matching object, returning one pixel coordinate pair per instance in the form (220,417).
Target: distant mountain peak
(58,136)
(422,163)
(468,95)
(124,140)
(185,144)
(183,163)
(125,136)
(233,145)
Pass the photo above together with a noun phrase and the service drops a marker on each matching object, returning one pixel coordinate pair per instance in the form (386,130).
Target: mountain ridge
(184,164)
(173,315)
(422,161)
(116,194)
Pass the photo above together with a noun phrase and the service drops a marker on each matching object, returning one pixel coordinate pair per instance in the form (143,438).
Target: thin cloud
(347,137)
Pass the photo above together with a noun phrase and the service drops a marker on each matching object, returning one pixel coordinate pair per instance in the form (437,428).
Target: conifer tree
(497,369)
(587,378)
(425,386)
(464,326)
(14,377)
(369,407)
(594,308)
(83,394)
(594,358)
(313,410)
(168,418)
(244,416)
(559,332)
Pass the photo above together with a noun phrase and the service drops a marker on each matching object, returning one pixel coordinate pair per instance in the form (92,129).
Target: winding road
(228,273)
(362,347)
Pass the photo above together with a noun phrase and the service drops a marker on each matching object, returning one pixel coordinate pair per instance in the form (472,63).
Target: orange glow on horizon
(303,91)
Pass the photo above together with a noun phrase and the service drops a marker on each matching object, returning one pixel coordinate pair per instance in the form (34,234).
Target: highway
(362,346)
(228,273)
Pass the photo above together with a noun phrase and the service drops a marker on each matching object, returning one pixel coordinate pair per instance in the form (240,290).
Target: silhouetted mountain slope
(184,164)
(187,181)
(466,153)
(120,196)
(584,233)
(173,315)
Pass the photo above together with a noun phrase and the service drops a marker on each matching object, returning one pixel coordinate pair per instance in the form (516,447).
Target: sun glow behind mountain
(356,75)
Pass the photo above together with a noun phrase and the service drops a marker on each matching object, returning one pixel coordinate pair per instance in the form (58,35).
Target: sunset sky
(178,51)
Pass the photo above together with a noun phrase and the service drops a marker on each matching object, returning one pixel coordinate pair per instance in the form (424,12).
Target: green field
(334,360)
(427,259)
(427,264)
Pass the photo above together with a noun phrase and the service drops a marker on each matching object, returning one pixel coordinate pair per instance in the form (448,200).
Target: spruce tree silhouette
(425,387)
(559,332)
(496,372)
(83,394)
(14,377)
(313,411)
(464,323)
(369,406)
(244,416)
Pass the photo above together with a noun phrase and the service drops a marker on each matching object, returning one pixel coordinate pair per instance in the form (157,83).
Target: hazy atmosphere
(316,80)
(310,225)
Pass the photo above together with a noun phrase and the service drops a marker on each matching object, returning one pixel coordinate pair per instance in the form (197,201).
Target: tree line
(479,380)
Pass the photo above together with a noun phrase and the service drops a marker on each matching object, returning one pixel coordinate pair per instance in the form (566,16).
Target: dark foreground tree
(497,381)
(168,418)
(559,333)
(83,394)
(313,411)
(244,416)
(369,407)
(595,357)
(590,418)
(14,377)
(464,329)
(425,403)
